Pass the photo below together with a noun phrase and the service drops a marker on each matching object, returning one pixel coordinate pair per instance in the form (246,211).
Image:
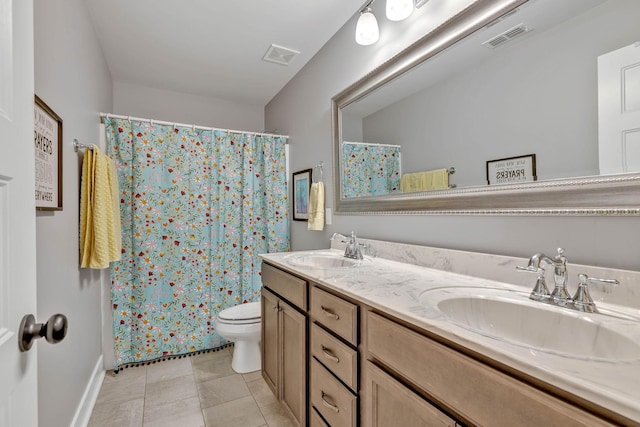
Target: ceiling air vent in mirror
(506,36)
(280,55)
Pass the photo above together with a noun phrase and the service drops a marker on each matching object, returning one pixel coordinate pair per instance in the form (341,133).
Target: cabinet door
(270,344)
(293,328)
(389,403)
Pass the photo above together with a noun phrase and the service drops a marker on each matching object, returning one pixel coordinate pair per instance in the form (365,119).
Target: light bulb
(367,28)
(397,10)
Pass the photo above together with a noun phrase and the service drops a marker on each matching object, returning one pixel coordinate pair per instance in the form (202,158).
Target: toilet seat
(241,314)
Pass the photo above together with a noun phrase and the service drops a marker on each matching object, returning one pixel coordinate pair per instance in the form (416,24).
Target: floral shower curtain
(197,207)
(380,163)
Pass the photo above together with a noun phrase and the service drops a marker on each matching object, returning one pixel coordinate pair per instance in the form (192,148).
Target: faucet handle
(540,291)
(528,269)
(582,299)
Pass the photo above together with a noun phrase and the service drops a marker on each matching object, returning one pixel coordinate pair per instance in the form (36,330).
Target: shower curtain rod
(373,144)
(160,122)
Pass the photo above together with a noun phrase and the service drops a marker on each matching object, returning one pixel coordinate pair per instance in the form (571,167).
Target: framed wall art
(512,170)
(301,188)
(48,157)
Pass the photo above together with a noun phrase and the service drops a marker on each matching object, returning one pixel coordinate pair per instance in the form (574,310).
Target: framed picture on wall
(511,170)
(301,188)
(48,157)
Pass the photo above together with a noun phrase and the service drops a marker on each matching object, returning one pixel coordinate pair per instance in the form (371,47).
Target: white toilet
(242,325)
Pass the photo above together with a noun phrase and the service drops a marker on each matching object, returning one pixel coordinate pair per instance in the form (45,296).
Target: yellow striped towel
(100,238)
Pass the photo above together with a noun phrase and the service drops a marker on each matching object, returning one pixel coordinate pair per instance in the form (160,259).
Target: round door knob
(53,331)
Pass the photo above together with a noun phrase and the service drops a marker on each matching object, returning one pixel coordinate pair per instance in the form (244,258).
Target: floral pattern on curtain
(197,208)
(380,163)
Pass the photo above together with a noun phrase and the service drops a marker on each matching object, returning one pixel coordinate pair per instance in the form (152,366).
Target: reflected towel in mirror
(437,179)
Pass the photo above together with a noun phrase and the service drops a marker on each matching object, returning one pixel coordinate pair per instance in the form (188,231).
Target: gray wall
(149,103)
(302,110)
(71,76)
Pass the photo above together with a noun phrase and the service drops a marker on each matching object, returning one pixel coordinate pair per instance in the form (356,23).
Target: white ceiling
(213,47)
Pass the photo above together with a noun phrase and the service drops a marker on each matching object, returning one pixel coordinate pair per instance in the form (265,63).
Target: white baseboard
(85,407)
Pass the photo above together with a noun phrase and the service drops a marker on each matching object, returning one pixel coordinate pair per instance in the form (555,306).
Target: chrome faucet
(581,301)
(560,295)
(352,250)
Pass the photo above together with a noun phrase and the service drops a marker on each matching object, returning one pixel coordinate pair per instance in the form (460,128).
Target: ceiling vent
(507,36)
(280,55)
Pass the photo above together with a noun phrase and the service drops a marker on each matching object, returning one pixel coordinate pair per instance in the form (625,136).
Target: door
(391,403)
(294,362)
(619,110)
(18,374)
(269,341)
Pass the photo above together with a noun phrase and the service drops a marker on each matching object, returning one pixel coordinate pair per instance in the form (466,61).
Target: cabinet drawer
(341,359)
(336,404)
(439,371)
(289,287)
(335,313)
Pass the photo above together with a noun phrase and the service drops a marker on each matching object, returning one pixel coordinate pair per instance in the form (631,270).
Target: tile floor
(195,391)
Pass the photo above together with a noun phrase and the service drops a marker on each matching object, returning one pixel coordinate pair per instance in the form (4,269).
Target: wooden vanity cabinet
(471,391)
(284,340)
(334,361)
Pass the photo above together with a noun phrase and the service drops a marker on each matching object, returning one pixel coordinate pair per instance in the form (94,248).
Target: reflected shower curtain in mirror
(197,208)
(370,169)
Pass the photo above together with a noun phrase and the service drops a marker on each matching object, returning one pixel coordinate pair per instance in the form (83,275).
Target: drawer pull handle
(331,406)
(329,313)
(329,354)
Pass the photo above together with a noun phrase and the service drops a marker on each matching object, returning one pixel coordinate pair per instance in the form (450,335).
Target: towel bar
(77,146)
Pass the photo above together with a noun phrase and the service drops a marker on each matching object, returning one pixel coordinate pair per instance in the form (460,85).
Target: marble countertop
(395,288)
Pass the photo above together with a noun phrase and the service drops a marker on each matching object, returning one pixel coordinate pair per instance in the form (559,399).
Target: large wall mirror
(510,107)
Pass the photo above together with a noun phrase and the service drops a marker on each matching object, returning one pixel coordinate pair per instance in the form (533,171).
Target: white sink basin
(321,261)
(510,316)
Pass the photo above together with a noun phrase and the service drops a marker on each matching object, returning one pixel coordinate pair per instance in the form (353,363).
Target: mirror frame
(611,195)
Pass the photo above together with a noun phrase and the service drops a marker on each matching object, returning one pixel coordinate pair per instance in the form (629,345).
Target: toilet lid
(248,311)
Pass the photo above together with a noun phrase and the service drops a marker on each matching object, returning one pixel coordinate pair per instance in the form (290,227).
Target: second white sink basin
(510,316)
(321,261)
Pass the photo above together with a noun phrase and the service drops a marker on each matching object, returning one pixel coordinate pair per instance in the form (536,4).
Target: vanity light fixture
(367,27)
(397,10)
